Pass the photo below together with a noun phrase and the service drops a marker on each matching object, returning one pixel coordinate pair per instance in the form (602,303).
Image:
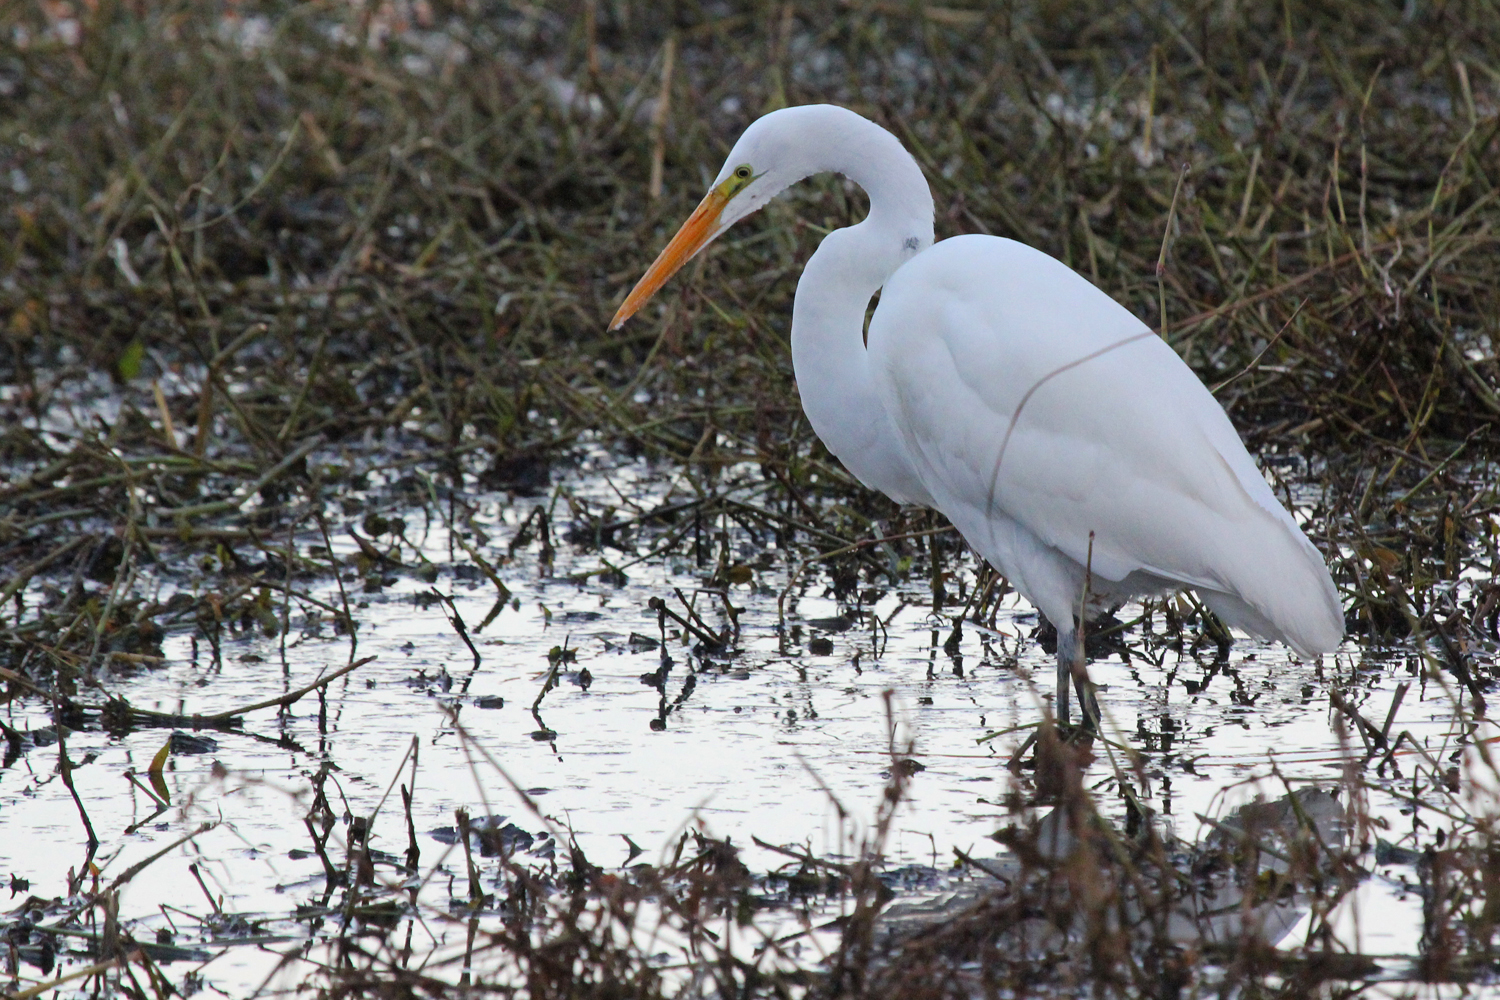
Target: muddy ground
(375,623)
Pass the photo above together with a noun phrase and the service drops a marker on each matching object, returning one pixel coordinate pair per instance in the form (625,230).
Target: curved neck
(839,141)
(833,295)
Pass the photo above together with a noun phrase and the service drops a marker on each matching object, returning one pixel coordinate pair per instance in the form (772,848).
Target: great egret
(1053,428)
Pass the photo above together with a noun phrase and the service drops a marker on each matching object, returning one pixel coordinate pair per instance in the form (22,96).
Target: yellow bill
(701,227)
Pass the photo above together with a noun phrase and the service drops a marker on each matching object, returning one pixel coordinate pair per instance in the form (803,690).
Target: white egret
(1000,387)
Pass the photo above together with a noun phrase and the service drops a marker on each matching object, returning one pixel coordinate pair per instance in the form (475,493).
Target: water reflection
(582,690)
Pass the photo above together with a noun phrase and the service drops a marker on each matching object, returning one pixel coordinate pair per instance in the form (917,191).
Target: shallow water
(786,740)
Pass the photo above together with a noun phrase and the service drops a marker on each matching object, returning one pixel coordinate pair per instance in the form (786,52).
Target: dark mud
(375,624)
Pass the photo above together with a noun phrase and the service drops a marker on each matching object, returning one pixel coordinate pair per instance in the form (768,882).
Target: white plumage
(1003,389)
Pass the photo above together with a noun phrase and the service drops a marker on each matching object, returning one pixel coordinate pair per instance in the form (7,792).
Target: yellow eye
(741,176)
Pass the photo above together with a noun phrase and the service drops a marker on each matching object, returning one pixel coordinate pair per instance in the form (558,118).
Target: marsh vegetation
(373,623)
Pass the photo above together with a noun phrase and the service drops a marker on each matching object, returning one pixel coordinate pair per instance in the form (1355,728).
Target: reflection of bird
(1055,430)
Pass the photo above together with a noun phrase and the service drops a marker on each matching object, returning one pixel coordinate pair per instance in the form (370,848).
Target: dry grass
(235,236)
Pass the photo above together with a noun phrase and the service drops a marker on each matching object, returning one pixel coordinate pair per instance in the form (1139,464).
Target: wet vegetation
(286,287)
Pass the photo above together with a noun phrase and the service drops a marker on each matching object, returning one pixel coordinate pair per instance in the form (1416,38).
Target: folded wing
(1022,392)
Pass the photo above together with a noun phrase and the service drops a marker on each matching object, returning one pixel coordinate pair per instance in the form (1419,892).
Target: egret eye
(737,180)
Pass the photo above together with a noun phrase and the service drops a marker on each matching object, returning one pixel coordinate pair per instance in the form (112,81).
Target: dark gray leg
(1066,646)
(1088,706)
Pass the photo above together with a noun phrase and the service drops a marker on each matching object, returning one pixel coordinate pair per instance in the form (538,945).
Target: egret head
(763,163)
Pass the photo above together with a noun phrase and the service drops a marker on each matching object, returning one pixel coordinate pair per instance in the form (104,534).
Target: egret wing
(1022,392)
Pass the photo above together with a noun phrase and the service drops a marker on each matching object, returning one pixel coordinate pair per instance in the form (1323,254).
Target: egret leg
(1088,705)
(1066,646)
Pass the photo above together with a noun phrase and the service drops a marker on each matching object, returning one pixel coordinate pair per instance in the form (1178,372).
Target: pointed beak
(696,233)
